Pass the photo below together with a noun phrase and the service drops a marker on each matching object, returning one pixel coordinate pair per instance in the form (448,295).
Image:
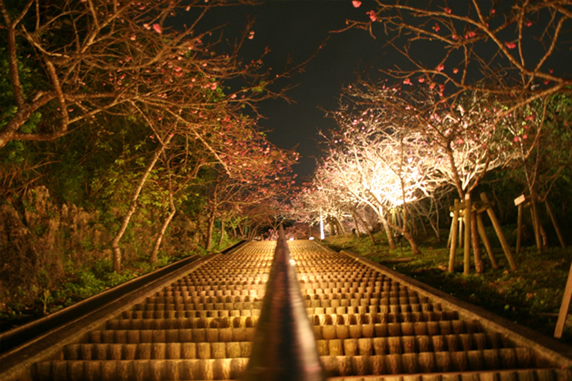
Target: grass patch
(530,296)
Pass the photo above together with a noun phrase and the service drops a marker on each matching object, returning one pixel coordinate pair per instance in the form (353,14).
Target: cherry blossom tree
(126,60)
(383,170)
(510,48)
(397,145)
(121,58)
(263,175)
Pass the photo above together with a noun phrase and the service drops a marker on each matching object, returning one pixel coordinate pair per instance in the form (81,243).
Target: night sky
(296,29)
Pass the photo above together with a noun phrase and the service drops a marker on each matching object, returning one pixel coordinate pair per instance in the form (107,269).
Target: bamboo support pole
(564,307)
(498,230)
(454,232)
(477,253)
(486,241)
(467,239)
(519,229)
(460,235)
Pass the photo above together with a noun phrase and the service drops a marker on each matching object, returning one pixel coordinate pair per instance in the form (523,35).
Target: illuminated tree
(397,145)
(462,137)
(383,170)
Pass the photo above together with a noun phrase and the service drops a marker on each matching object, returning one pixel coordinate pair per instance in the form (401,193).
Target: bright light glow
(291,239)
(311,238)
(292,262)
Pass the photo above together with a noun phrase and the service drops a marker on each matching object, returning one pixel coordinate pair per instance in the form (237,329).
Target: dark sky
(296,28)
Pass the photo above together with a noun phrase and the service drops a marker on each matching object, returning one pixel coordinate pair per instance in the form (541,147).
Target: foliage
(79,283)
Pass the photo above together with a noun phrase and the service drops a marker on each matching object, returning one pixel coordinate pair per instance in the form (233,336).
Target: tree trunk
(536,221)
(555,224)
(369,233)
(221,233)
(388,233)
(210,224)
(409,237)
(356,226)
(161,235)
(339,226)
(133,206)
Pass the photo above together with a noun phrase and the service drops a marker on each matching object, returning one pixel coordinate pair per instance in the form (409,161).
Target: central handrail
(284,346)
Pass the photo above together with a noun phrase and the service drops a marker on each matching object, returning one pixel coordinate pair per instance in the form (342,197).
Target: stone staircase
(367,325)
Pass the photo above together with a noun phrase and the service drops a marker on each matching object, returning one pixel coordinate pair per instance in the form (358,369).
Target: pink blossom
(436,28)
(440,67)
(356,3)
(448,10)
(213,86)
(421,80)
(146,26)
(455,71)
(372,15)
(251,35)
(529,23)
(133,37)
(510,45)
(157,28)
(407,81)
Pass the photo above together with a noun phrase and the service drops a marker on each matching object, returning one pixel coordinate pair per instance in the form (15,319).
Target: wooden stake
(555,224)
(453,237)
(460,237)
(563,314)
(467,256)
(477,254)
(519,229)
(486,241)
(450,234)
(498,230)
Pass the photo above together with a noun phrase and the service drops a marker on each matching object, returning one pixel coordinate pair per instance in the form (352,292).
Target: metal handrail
(284,346)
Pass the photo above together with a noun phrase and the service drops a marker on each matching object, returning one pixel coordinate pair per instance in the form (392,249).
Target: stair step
(157,351)
(192,335)
(431,328)
(412,344)
(140,370)
(182,323)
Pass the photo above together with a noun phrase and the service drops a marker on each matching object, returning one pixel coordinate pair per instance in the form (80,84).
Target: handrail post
(284,346)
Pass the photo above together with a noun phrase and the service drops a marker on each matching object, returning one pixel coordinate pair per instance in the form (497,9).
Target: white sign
(519,200)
